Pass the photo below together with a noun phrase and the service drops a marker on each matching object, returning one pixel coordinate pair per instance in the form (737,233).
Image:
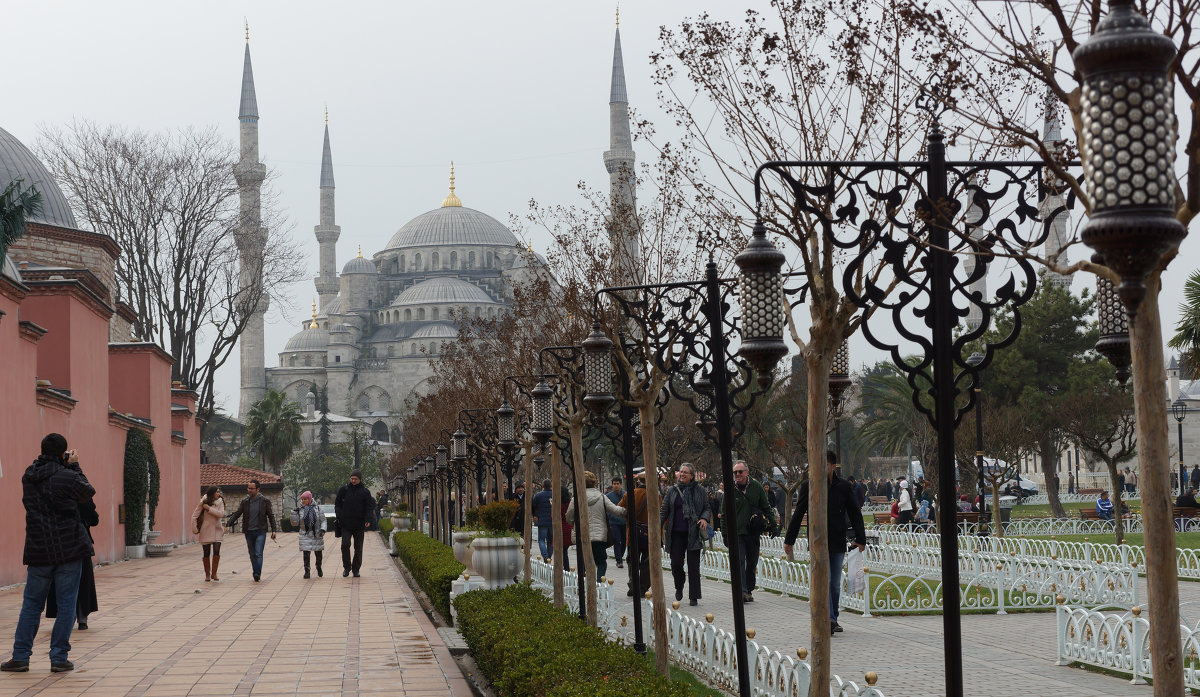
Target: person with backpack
(752,516)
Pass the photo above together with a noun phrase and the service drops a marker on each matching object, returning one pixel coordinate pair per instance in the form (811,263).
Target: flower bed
(432,565)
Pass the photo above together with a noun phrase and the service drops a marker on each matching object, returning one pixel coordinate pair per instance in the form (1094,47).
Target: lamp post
(506,439)
(974,361)
(1180,410)
(839,382)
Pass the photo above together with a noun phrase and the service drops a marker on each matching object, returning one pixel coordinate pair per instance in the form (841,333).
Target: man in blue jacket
(544,519)
(57,545)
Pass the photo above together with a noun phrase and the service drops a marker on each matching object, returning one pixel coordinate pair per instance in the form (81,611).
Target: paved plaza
(155,635)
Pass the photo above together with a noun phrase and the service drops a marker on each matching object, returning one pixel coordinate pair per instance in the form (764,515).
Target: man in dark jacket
(257,517)
(57,546)
(840,508)
(355,509)
(544,519)
(748,498)
(518,521)
(685,516)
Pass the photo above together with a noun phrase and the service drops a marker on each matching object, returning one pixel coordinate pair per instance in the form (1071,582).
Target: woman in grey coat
(312,532)
(686,517)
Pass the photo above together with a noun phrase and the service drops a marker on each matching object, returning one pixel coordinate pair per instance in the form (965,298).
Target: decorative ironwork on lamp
(761,298)
(1113,343)
(542,398)
(506,427)
(839,380)
(597,371)
(458,446)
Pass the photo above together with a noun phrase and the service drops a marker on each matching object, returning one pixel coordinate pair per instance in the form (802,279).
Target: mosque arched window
(308,361)
(408,315)
(477,312)
(364,402)
(454,260)
(325,326)
(435,313)
(489,260)
(379,431)
(491,313)
(391,350)
(292,361)
(403,268)
(432,348)
(385,402)
(471,260)
(421,313)
(434,260)
(416,262)
(395,434)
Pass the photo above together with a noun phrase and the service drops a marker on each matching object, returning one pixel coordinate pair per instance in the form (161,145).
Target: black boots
(306,564)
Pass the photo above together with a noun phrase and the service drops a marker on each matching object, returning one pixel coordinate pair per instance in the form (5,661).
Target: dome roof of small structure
(17,162)
(452,225)
(333,308)
(444,290)
(440,330)
(308,340)
(359,265)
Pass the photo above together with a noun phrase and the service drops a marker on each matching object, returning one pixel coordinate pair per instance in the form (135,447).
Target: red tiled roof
(218,474)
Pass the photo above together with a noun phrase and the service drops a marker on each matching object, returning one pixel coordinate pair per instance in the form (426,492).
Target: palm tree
(16,206)
(273,429)
(891,423)
(1187,332)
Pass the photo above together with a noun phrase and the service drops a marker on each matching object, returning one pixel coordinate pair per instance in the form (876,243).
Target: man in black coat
(56,547)
(841,509)
(355,510)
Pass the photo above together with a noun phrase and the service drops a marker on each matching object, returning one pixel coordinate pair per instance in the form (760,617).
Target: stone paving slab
(161,630)
(1003,655)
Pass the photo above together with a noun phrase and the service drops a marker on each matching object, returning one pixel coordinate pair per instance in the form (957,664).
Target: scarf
(308,519)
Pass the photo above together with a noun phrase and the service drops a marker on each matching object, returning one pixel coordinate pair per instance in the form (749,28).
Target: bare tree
(170,202)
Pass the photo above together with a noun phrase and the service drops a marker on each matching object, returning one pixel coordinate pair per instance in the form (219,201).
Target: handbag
(856,576)
(757,522)
(643,529)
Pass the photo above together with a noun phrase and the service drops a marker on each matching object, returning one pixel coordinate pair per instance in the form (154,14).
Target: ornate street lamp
(839,382)
(458,446)
(542,398)
(702,403)
(1128,146)
(762,302)
(1113,343)
(506,427)
(1179,409)
(597,371)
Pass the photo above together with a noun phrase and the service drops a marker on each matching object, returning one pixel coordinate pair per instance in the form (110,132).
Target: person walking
(752,516)
(56,547)
(518,520)
(312,533)
(616,524)
(353,507)
(566,529)
(207,525)
(86,601)
(599,508)
(685,517)
(906,508)
(543,518)
(257,518)
(639,527)
(840,507)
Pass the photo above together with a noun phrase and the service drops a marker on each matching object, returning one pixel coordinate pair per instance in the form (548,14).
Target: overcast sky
(515,93)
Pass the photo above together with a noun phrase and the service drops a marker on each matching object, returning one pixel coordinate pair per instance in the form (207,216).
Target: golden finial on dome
(618,15)
(360,251)
(451,199)
(313,325)
(326,114)
(247,30)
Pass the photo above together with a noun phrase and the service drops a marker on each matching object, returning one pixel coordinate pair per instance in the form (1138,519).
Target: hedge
(527,648)
(432,564)
(385,526)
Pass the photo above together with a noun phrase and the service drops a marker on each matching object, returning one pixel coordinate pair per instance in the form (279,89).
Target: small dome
(17,162)
(436,331)
(333,308)
(359,265)
(452,225)
(308,340)
(443,290)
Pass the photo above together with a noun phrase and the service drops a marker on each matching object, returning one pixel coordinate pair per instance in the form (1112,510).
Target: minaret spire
(327,231)
(251,241)
(1052,208)
(619,161)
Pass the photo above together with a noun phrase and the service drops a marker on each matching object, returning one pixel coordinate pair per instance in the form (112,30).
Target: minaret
(327,231)
(251,241)
(979,286)
(1056,239)
(619,161)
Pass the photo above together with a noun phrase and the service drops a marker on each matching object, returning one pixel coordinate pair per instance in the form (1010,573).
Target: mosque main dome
(17,162)
(452,225)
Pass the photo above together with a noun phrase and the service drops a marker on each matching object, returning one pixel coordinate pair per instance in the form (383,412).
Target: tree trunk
(1118,519)
(1049,454)
(997,522)
(1150,411)
(583,533)
(653,504)
(556,527)
(530,490)
(818,535)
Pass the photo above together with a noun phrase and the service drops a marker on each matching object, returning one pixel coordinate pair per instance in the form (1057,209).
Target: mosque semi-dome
(17,162)
(443,290)
(452,225)
(436,331)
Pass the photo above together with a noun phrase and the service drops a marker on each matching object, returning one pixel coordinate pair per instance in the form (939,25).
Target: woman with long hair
(208,523)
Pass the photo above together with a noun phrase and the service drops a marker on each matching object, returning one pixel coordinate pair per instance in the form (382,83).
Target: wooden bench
(1088,514)
(1185,512)
(882,518)
(878,499)
(1090,492)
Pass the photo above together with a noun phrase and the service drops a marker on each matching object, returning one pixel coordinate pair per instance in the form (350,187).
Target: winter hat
(903,483)
(357,473)
(307,493)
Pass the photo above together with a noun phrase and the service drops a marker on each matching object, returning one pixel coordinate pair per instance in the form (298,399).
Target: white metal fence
(1064,497)
(702,648)
(1118,639)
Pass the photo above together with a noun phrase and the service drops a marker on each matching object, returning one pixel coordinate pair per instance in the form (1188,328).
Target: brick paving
(1003,655)
(162,632)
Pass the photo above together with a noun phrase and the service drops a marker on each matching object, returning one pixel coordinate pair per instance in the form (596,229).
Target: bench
(883,500)
(882,518)
(1185,512)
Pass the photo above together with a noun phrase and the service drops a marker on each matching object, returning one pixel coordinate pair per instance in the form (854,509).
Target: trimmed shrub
(385,525)
(527,648)
(495,519)
(432,565)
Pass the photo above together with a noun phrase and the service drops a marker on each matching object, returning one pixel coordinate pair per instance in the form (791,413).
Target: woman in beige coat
(598,508)
(208,523)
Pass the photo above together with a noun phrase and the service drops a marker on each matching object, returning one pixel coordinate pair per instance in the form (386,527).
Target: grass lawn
(1043,510)
(695,686)
(1183,540)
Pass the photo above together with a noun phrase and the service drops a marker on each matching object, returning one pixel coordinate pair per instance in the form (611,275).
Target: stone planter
(158,550)
(496,559)
(462,549)
(135,551)
(152,535)
(402,523)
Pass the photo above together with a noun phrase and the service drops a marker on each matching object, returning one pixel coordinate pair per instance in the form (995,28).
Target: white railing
(703,649)
(1064,497)
(1118,639)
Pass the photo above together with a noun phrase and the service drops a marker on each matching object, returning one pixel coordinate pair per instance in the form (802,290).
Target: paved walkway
(161,631)
(1003,655)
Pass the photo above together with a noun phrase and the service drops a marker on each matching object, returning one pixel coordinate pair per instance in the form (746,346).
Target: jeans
(355,536)
(600,556)
(750,547)
(681,555)
(255,541)
(545,544)
(618,535)
(37,586)
(835,582)
(642,564)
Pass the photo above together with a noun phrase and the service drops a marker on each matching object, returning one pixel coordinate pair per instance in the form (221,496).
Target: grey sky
(515,93)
